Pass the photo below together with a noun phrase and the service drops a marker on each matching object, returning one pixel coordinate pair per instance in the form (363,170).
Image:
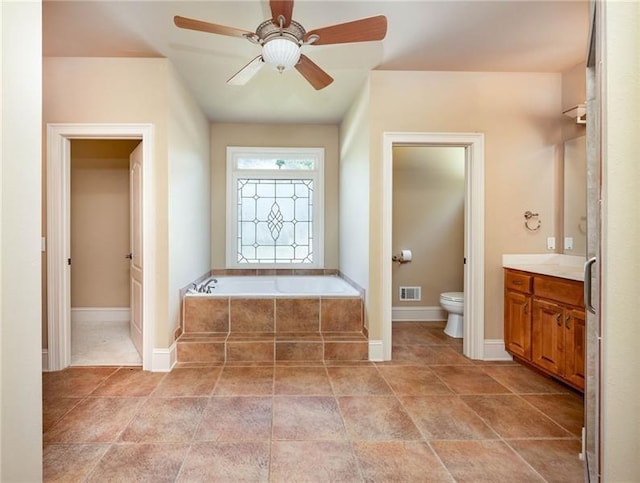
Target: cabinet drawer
(517,281)
(558,289)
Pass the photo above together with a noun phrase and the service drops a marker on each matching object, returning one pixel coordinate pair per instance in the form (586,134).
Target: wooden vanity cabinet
(574,348)
(517,313)
(545,324)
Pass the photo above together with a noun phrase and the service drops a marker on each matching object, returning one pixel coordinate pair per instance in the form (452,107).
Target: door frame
(58,241)
(473,342)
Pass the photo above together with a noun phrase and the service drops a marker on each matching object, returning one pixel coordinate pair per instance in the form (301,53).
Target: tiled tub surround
(260,329)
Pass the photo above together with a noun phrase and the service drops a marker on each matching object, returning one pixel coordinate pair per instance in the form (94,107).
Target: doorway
(100,221)
(473,144)
(58,240)
(428,226)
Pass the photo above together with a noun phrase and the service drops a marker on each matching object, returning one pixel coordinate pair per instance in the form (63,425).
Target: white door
(135,202)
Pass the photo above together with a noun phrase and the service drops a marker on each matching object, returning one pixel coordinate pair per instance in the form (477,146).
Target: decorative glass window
(275,207)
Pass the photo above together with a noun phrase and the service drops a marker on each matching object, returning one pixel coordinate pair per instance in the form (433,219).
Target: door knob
(129,256)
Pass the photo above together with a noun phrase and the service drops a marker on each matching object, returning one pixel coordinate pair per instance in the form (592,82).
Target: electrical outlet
(551,243)
(568,243)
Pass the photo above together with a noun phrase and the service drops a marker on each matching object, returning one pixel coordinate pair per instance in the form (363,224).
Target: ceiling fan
(282,38)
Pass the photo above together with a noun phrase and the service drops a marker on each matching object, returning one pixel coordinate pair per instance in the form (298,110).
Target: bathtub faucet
(207,286)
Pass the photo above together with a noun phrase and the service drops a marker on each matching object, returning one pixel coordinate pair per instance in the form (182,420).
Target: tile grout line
(404,366)
(505,441)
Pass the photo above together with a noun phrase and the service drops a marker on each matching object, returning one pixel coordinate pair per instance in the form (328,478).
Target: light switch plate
(551,243)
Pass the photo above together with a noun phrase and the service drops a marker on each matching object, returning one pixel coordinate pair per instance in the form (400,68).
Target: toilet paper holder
(404,257)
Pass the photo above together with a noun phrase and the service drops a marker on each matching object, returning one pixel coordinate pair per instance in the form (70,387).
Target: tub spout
(208,286)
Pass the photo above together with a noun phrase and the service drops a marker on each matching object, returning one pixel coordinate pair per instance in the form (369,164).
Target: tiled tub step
(272,315)
(256,330)
(270,347)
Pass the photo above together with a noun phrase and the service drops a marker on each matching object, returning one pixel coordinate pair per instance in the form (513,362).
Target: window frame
(233,174)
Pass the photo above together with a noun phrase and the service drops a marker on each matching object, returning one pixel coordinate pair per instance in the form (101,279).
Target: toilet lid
(453,296)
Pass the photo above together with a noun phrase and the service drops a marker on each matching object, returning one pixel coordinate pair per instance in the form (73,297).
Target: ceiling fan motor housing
(280,45)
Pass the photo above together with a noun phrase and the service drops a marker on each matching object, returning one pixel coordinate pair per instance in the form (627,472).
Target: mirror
(575,197)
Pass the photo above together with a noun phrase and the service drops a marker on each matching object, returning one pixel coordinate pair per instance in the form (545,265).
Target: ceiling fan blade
(318,78)
(212,28)
(245,74)
(364,30)
(281,7)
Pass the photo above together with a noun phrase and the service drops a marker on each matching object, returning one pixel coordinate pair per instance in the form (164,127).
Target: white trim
(317,174)
(418,314)
(494,351)
(58,232)
(45,360)
(473,345)
(375,351)
(100,314)
(163,360)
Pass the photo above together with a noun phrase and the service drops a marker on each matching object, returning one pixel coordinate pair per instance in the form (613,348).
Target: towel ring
(582,225)
(527,217)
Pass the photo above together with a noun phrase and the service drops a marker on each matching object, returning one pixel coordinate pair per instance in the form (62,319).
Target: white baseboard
(375,350)
(163,360)
(494,351)
(100,314)
(45,360)
(418,314)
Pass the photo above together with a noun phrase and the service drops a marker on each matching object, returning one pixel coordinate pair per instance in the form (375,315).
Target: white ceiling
(450,35)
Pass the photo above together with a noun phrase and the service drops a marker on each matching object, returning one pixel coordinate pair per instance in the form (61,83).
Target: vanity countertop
(556,265)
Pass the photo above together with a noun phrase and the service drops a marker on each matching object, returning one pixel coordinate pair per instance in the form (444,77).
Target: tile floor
(429,415)
(102,344)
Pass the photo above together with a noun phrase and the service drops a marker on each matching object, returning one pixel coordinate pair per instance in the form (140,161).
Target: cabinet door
(517,317)
(547,327)
(574,347)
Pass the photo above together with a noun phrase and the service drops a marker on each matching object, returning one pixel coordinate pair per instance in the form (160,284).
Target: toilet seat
(453,296)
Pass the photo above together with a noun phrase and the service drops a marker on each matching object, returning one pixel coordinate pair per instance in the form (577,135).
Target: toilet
(453,303)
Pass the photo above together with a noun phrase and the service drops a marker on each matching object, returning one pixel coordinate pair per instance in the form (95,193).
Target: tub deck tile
(251,351)
(252,315)
(344,350)
(299,351)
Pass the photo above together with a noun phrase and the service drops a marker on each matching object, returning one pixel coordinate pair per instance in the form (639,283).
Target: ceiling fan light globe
(281,53)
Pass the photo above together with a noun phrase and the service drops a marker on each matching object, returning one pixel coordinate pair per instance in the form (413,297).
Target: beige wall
(189,195)
(273,135)
(428,219)
(20,179)
(574,195)
(574,92)
(621,236)
(519,115)
(114,90)
(119,90)
(100,222)
(354,192)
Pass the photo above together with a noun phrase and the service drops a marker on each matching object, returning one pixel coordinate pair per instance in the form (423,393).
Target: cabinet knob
(566,321)
(558,319)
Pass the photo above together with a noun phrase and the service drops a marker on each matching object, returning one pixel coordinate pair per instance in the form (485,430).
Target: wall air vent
(410,293)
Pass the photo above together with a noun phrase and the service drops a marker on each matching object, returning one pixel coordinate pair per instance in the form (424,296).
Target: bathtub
(275,286)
